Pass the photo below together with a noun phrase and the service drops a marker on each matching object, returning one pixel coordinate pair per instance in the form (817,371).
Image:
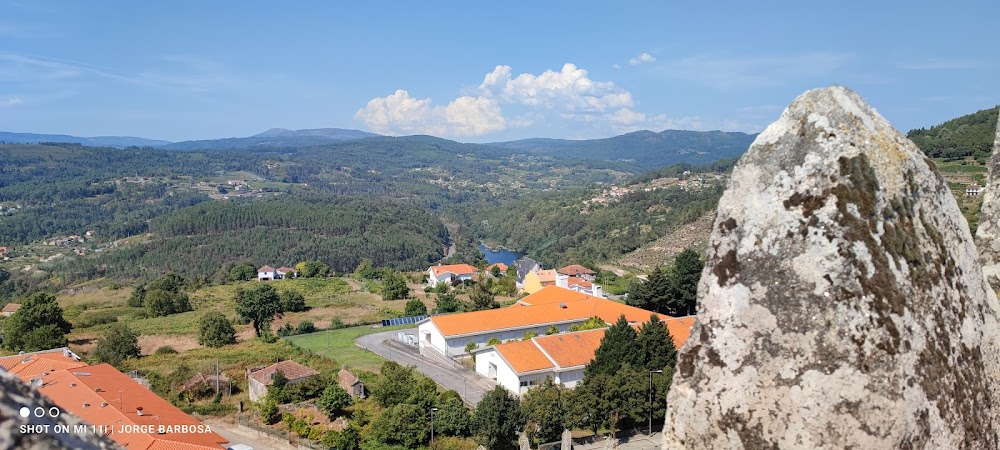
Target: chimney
(598,290)
(562,280)
(562,305)
(138,410)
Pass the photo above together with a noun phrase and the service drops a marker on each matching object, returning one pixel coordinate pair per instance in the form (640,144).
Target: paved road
(237,435)
(470,385)
(635,442)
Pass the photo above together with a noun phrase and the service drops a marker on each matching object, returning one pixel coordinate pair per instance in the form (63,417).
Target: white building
(552,306)
(266,273)
(517,366)
(451,274)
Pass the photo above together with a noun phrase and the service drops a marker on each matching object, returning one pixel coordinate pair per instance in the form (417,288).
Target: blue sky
(480,72)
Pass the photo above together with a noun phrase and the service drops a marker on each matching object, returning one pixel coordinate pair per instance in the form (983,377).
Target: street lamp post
(650,412)
(432,425)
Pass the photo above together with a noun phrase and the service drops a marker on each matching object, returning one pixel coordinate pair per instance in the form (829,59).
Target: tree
(448,303)
(684,283)
(258,305)
(618,346)
(215,330)
(497,419)
(291,301)
(365,270)
(38,325)
(243,272)
(592,323)
(118,344)
(482,298)
(452,417)
(316,268)
(349,439)
(656,346)
(269,412)
(161,302)
(415,307)
(587,405)
(137,298)
(544,412)
(551,330)
(394,287)
(528,335)
(654,294)
(333,400)
(403,424)
(393,385)
(494,341)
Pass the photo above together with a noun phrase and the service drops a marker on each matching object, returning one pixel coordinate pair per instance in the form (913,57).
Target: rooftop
(33,365)
(576,270)
(457,269)
(101,395)
(554,305)
(11,307)
(290,369)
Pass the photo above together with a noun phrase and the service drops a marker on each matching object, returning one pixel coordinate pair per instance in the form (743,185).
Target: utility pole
(432,424)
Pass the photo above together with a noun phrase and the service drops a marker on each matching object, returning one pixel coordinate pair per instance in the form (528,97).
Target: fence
(247,423)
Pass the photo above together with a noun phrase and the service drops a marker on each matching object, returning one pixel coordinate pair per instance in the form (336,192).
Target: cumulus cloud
(399,113)
(642,59)
(570,89)
(568,93)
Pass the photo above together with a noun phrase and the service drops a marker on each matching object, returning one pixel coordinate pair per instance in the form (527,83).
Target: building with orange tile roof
(552,306)
(132,415)
(451,274)
(503,267)
(576,270)
(518,365)
(28,366)
(260,378)
(9,309)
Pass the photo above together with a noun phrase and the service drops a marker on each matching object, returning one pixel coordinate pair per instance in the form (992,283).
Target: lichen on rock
(988,231)
(842,304)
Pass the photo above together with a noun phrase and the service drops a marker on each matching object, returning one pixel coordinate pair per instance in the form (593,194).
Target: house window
(529,383)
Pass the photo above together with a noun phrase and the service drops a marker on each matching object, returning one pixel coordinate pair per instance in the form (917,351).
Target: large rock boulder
(842,304)
(988,232)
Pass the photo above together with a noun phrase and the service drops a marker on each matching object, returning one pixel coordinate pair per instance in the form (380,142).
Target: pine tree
(656,346)
(684,278)
(497,419)
(618,346)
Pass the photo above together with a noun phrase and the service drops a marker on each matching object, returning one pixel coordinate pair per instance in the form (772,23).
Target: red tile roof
(546,276)
(265,269)
(524,356)
(284,269)
(347,378)
(566,350)
(37,364)
(11,308)
(574,281)
(576,270)
(503,267)
(558,305)
(101,395)
(290,369)
(457,269)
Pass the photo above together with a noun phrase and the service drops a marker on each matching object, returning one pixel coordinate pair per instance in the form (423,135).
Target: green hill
(969,135)
(202,239)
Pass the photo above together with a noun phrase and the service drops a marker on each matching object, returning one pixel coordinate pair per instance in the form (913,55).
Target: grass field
(339,346)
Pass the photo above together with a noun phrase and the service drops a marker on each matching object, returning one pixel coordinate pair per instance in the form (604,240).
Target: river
(502,256)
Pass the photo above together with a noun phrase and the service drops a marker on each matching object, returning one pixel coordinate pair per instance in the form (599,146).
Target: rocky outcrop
(15,395)
(842,303)
(988,231)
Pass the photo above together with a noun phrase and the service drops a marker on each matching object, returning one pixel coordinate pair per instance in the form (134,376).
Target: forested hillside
(341,231)
(569,226)
(969,135)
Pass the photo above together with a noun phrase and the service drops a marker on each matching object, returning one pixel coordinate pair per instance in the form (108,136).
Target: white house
(286,272)
(266,273)
(519,365)
(973,190)
(580,285)
(552,306)
(451,274)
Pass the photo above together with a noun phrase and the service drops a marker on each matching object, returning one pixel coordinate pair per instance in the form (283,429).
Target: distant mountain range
(98,141)
(645,148)
(642,149)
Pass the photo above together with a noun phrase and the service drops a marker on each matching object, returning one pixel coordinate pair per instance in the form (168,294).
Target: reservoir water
(502,256)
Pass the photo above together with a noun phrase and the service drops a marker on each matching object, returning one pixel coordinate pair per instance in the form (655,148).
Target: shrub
(118,344)
(471,346)
(165,350)
(494,341)
(305,327)
(291,301)
(215,330)
(415,307)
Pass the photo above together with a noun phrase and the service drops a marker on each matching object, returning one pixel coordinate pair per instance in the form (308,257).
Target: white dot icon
(25,411)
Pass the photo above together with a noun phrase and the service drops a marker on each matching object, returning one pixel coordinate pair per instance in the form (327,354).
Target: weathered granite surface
(14,395)
(842,303)
(988,231)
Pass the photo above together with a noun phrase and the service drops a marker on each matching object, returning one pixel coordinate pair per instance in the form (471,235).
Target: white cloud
(569,89)
(641,59)
(616,66)
(400,113)
(12,101)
